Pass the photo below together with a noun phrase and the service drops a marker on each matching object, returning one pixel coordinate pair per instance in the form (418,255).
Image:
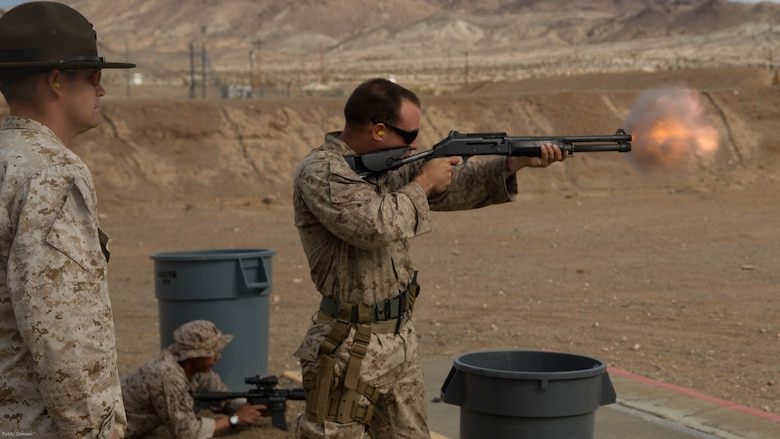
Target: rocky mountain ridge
(429,41)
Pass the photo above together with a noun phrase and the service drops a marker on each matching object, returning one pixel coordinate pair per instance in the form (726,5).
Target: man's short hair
(18,86)
(379,99)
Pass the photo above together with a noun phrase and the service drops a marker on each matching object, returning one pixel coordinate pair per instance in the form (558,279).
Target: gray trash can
(228,287)
(527,394)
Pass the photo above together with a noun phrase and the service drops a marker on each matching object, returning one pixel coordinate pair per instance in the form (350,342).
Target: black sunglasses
(95,75)
(408,136)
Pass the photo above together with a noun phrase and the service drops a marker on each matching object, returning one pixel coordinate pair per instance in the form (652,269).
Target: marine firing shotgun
(266,394)
(468,145)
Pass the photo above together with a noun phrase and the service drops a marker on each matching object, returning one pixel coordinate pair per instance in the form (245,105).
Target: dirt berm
(244,151)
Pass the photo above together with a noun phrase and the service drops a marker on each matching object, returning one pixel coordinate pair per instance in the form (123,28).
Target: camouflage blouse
(356,232)
(58,372)
(158,393)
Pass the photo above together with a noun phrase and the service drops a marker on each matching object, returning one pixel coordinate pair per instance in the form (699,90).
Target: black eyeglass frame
(408,136)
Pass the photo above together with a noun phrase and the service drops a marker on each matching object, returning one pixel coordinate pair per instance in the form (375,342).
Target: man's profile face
(205,364)
(397,135)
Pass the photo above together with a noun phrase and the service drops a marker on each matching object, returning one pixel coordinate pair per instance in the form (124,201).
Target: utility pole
(203,68)
(192,70)
(252,73)
(449,66)
(203,61)
(259,63)
(254,58)
(466,71)
(322,64)
(127,72)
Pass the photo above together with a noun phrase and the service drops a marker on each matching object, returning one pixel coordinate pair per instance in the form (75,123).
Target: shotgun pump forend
(467,145)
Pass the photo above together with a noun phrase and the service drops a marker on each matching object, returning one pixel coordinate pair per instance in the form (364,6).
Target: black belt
(389,309)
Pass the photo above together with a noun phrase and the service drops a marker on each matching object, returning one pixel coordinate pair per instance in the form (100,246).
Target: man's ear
(378,131)
(54,80)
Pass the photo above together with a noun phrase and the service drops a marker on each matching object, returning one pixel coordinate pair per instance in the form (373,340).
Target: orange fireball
(670,130)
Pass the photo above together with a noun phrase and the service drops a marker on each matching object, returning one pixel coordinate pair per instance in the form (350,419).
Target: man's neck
(187,367)
(47,119)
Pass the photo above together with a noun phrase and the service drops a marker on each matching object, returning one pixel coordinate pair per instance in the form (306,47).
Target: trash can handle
(258,285)
(608,395)
(452,389)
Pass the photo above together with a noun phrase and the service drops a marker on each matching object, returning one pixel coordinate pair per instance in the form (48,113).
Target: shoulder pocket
(75,233)
(344,185)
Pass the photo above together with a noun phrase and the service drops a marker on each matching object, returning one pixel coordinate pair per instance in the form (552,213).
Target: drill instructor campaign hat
(49,35)
(198,338)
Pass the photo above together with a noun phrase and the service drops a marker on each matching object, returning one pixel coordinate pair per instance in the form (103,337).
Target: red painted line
(695,394)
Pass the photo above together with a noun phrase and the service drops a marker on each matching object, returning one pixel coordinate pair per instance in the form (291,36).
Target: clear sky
(6,4)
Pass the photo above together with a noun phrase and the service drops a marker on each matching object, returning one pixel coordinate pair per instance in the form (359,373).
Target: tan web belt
(389,309)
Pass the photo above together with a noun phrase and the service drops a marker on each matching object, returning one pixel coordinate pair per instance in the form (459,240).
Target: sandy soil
(678,286)
(671,277)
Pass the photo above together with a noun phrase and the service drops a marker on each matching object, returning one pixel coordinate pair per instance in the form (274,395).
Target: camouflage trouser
(392,365)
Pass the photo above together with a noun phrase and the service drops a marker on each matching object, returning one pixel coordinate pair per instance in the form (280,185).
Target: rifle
(266,393)
(468,145)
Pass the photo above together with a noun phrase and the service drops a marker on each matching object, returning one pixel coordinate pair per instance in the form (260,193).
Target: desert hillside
(243,151)
(282,47)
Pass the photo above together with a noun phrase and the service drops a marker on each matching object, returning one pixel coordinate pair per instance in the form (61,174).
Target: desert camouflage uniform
(158,393)
(356,233)
(58,373)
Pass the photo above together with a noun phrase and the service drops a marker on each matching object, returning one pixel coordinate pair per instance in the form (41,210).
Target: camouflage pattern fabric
(158,393)
(198,338)
(58,372)
(355,233)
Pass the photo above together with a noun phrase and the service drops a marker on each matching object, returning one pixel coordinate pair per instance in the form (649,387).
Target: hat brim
(182,354)
(67,66)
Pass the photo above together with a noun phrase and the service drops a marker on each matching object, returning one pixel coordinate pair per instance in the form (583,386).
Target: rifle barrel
(218,396)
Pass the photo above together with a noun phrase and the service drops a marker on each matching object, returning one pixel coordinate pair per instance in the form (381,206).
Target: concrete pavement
(644,409)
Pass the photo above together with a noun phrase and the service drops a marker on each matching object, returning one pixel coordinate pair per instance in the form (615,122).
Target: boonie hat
(49,35)
(198,338)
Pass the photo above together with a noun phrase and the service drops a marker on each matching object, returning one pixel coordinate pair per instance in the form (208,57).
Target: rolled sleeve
(477,184)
